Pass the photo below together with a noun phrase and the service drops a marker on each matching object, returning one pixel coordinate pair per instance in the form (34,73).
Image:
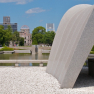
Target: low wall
(1,52)
(26,48)
(22,51)
(46,51)
(8,52)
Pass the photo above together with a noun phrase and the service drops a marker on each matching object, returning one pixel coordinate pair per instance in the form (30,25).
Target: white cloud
(16,1)
(34,10)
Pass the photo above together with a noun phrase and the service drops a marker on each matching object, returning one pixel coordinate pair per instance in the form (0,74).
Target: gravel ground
(34,80)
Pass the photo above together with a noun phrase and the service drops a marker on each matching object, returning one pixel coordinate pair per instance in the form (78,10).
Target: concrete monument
(72,44)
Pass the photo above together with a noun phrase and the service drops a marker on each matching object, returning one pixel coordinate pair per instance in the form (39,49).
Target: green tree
(9,28)
(16,33)
(9,31)
(49,37)
(15,37)
(21,42)
(37,35)
(5,35)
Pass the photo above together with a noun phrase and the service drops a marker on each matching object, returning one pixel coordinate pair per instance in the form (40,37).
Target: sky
(34,13)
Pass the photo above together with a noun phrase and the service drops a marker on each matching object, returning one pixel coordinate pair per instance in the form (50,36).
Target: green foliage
(1,27)
(49,37)
(16,33)
(92,48)
(37,64)
(15,37)
(91,52)
(7,64)
(6,49)
(9,28)
(5,35)
(37,35)
(21,43)
(38,38)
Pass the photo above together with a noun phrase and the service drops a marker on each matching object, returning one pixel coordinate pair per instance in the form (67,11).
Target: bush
(7,64)
(21,43)
(6,49)
(92,48)
(91,52)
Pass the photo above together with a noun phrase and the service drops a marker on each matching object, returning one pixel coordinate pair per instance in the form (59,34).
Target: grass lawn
(6,49)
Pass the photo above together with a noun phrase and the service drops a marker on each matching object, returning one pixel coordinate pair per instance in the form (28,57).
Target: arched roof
(24,27)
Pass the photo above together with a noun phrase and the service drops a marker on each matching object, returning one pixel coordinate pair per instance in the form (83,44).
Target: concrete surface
(22,51)
(72,44)
(46,51)
(23,61)
(8,52)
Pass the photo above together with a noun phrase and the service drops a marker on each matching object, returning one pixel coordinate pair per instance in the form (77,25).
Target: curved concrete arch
(59,34)
(70,47)
(70,42)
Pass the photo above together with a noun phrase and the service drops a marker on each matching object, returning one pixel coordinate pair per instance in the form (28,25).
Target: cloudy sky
(37,12)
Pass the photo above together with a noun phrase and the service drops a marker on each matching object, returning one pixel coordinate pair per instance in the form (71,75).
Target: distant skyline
(35,13)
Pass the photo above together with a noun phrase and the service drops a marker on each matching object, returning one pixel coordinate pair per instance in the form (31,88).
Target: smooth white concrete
(60,33)
(72,44)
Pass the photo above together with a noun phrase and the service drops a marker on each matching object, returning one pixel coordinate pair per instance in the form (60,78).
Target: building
(50,27)
(6,22)
(25,33)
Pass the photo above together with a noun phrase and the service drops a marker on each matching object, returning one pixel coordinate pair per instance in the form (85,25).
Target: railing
(17,62)
(91,55)
(24,61)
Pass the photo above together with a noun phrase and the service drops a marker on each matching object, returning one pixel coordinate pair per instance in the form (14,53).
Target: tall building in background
(50,27)
(6,22)
(25,33)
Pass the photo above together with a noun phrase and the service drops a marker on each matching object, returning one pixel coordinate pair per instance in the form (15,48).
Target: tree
(9,31)
(9,28)
(21,42)
(37,35)
(15,37)
(5,35)
(49,37)
(16,33)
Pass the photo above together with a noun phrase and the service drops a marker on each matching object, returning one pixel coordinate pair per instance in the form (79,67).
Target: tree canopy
(37,35)
(15,37)
(8,35)
(5,35)
(49,37)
